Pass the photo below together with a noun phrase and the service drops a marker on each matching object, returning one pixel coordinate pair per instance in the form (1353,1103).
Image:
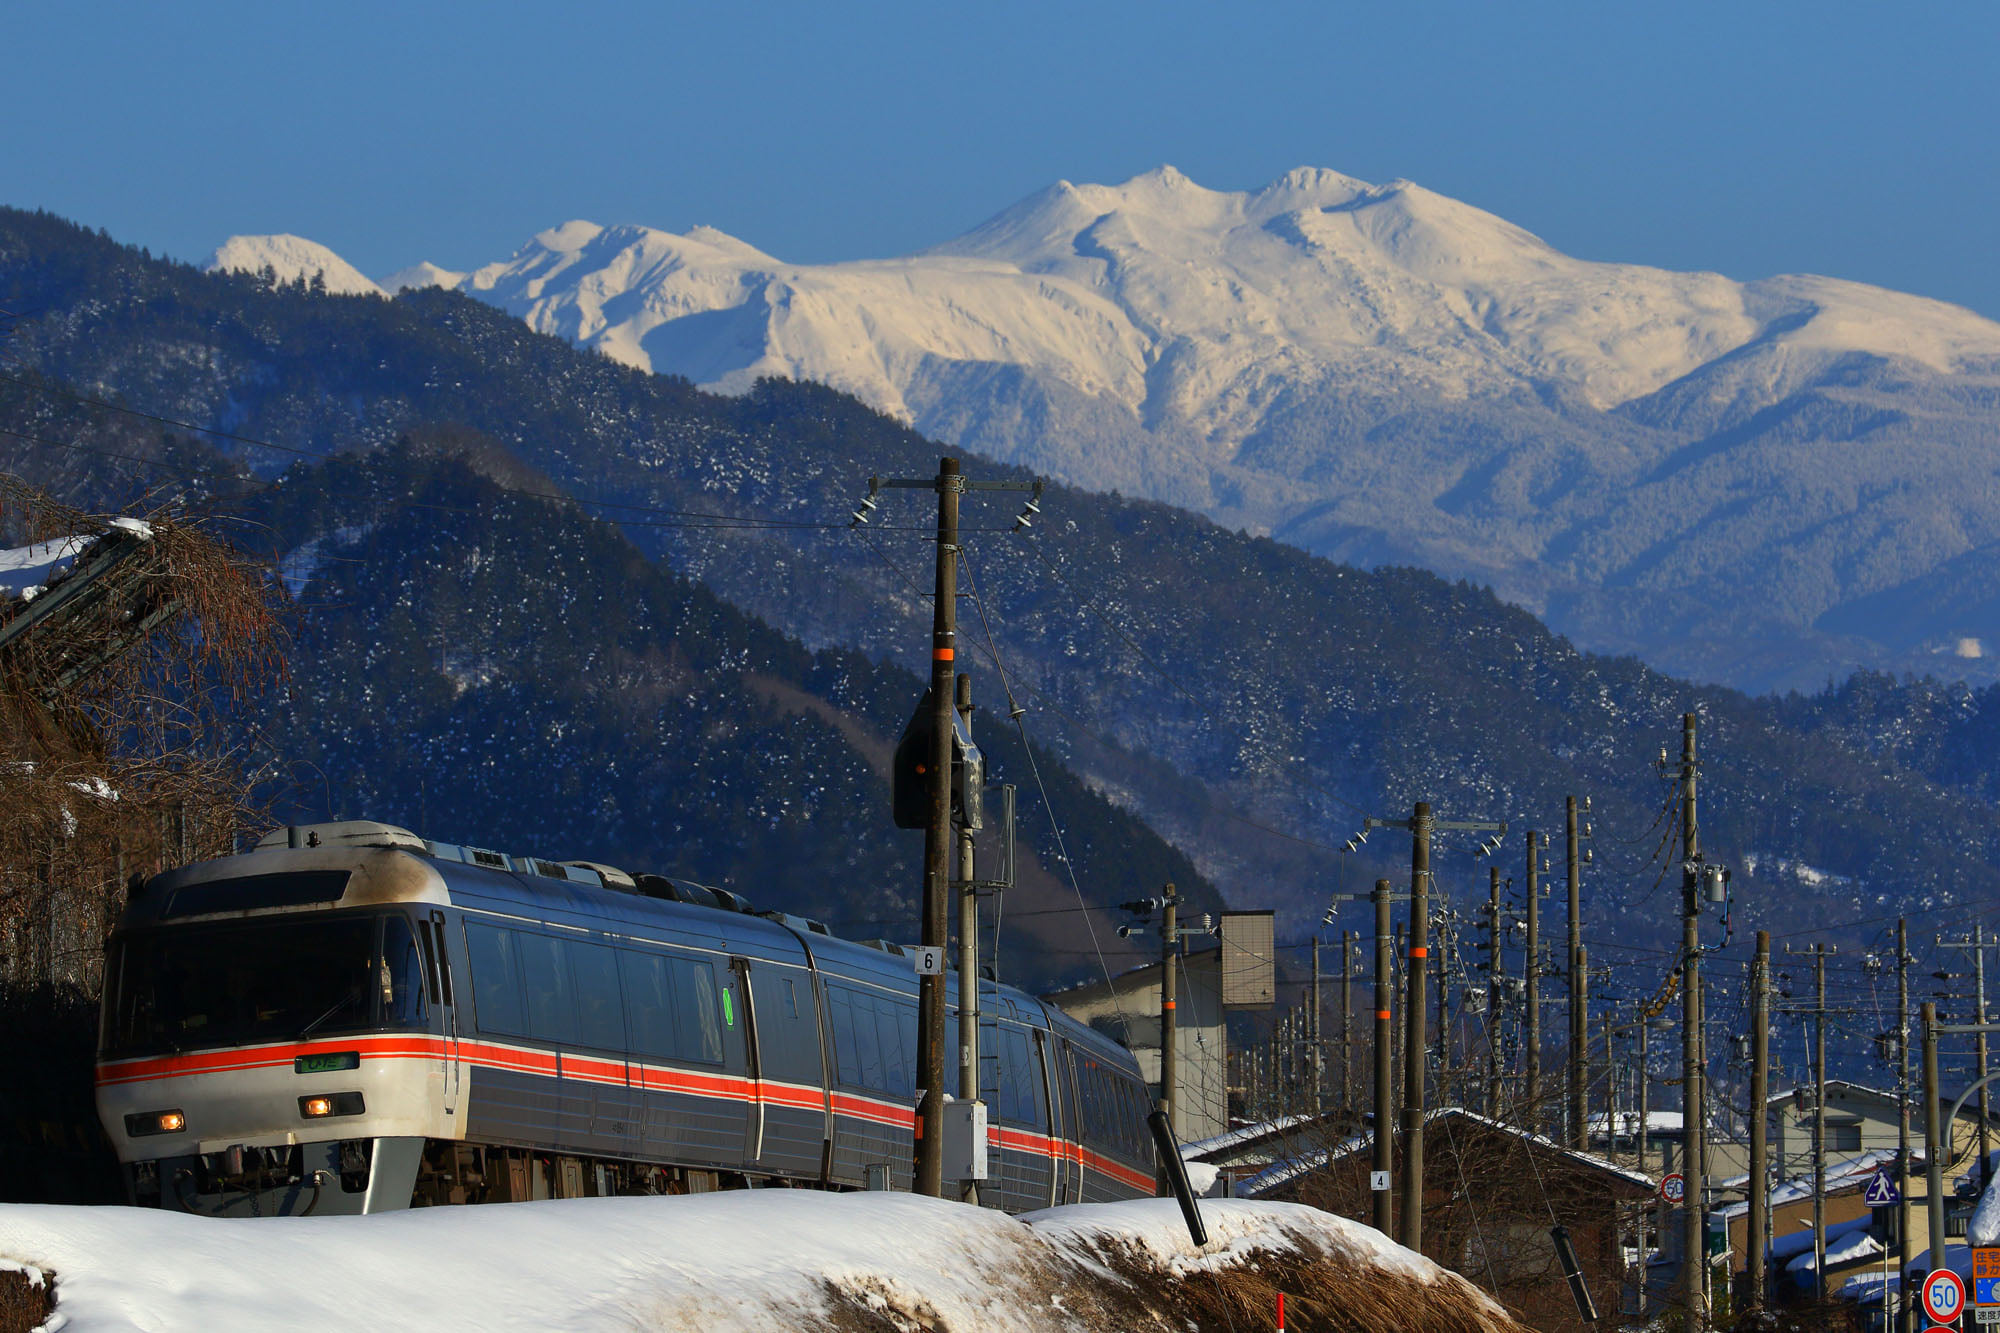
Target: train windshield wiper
(331,1010)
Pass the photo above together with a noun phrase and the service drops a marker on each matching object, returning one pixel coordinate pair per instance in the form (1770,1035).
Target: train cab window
(545,988)
(600,1016)
(400,975)
(224,984)
(496,979)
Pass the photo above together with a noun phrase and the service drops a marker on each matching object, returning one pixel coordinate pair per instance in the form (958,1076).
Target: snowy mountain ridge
(1380,373)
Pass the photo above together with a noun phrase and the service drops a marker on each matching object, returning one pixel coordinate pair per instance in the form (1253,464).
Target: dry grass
(1131,1292)
(25,1304)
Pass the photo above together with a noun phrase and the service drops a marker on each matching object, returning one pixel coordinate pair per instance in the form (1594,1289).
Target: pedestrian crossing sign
(1882,1191)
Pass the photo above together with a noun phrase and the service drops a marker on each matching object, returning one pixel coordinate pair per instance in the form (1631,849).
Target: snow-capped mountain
(291,258)
(1717,474)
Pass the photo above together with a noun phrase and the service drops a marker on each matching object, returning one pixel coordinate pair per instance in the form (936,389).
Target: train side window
(697,1015)
(896,1078)
(401,975)
(430,957)
(846,1039)
(600,1015)
(649,1013)
(546,987)
(496,980)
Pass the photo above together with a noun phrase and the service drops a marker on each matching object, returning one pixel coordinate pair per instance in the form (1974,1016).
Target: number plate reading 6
(327,1062)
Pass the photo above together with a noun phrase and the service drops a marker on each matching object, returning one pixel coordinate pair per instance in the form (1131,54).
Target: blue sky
(1746,138)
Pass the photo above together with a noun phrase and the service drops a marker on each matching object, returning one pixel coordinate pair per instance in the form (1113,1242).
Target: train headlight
(155,1122)
(319,1106)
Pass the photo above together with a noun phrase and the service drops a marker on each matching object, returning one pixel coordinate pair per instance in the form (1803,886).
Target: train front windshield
(237,983)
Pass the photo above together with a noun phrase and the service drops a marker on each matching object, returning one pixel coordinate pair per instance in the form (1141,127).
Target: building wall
(1129,1011)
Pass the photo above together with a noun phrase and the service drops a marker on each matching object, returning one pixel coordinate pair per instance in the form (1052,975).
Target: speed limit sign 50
(1944,1296)
(1673,1188)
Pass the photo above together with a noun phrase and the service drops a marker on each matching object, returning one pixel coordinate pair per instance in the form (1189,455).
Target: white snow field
(763,1260)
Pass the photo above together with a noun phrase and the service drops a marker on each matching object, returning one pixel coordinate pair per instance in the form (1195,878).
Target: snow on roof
(1279,1173)
(1849,1173)
(1984,1227)
(774,1261)
(26,570)
(1854,1244)
(1657,1122)
(1243,1134)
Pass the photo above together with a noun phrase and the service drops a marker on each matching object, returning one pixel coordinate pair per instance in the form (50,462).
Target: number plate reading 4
(327,1062)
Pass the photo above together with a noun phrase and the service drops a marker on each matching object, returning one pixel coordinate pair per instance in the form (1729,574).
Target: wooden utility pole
(1760,1091)
(1694,1128)
(1579,982)
(1645,1080)
(1977,945)
(1385,963)
(1532,972)
(1905,1308)
(938,840)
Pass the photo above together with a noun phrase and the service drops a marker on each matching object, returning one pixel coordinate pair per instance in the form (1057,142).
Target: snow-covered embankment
(768,1261)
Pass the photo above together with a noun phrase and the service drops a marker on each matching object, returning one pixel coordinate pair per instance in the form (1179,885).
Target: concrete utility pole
(1977,946)
(1170,938)
(1346,1025)
(1385,964)
(1579,982)
(1760,1092)
(1933,1139)
(1694,1128)
(938,840)
(939,844)
(968,950)
(1317,1064)
(1819,1117)
(1904,1307)
(1494,975)
(1532,1037)
(1416,1047)
(1645,1064)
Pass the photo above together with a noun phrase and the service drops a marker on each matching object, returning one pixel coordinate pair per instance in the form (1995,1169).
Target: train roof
(361,863)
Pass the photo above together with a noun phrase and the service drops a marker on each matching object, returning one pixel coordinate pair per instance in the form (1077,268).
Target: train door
(789,1076)
(737,995)
(437,957)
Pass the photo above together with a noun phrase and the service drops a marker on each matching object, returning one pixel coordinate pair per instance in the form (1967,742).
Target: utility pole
(1904,1309)
(1819,1118)
(1645,1064)
(1933,1136)
(1760,1091)
(1978,945)
(1316,1065)
(1532,1038)
(1579,981)
(1694,1221)
(1416,1047)
(1415,1050)
(1170,939)
(938,840)
(1494,975)
(968,949)
(1384,988)
(949,485)
(1346,1025)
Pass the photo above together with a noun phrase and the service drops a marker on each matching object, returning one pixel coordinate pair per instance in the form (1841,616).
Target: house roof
(1283,1172)
(1246,1134)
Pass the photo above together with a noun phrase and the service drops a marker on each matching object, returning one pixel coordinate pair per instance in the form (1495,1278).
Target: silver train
(351,1019)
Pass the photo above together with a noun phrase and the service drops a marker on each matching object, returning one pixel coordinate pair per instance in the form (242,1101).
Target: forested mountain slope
(1248,700)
